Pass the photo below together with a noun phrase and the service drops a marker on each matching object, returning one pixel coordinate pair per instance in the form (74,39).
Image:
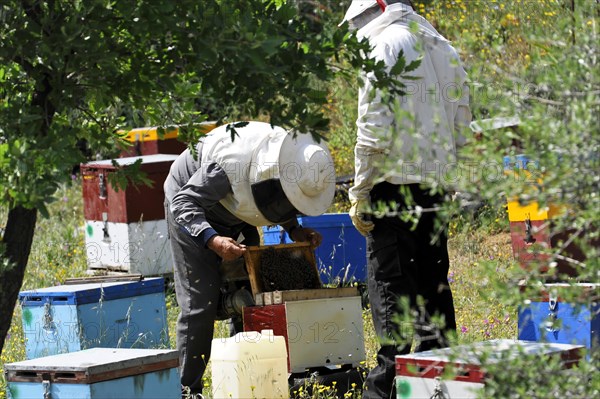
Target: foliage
(531,377)
(553,88)
(535,59)
(538,61)
(77,73)
(58,253)
(82,71)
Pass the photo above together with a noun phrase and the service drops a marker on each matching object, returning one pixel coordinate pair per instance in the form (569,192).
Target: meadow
(505,45)
(59,253)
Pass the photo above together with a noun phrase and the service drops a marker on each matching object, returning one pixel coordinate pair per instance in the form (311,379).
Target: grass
(58,253)
(495,38)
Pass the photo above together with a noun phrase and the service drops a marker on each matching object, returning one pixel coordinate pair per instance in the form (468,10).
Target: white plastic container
(249,365)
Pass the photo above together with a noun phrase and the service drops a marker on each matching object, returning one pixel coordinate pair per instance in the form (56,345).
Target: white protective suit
(419,142)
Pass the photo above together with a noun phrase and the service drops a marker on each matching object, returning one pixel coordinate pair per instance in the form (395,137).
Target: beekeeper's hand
(226,247)
(306,234)
(357,214)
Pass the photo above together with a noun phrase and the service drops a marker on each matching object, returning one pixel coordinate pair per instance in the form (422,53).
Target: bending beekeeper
(215,201)
(403,146)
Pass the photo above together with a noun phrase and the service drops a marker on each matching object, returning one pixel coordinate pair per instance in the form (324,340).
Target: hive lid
(92,365)
(127,161)
(152,133)
(332,220)
(465,360)
(78,294)
(131,160)
(497,349)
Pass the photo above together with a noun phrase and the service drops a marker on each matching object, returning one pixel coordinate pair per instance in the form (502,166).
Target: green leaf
(413,65)
(43,210)
(399,68)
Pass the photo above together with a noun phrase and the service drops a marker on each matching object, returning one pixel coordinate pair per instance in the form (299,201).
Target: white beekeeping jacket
(256,146)
(416,140)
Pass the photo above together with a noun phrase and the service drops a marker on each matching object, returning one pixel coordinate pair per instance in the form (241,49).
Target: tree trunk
(17,241)
(20,225)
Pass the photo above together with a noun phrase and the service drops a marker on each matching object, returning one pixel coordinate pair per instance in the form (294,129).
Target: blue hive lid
(327,220)
(78,294)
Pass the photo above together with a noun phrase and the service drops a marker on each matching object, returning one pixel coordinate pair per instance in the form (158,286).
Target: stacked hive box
(126,230)
(322,326)
(548,317)
(97,373)
(459,372)
(69,318)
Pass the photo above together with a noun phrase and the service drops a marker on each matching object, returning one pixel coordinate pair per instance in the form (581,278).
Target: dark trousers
(198,289)
(404,263)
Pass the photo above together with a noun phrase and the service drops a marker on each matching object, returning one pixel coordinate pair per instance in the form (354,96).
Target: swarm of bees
(283,270)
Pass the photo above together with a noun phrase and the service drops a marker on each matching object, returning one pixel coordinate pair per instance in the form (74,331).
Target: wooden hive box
(322,326)
(254,254)
(103,202)
(460,371)
(148,140)
(548,317)
(97,373)
(126,230)
(112,314)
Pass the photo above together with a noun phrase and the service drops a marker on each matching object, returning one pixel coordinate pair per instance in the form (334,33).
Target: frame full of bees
(283,267)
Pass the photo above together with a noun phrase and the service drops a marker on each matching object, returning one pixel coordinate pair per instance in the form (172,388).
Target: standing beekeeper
(404,148)
(265,175)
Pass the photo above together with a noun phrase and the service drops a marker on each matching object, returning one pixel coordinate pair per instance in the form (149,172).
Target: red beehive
(459,372)
(103,202)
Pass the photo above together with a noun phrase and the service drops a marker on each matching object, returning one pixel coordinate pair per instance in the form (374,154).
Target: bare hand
(227,248)
(305,234)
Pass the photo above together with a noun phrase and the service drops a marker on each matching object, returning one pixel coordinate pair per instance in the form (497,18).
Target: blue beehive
(556,321)
(69,318)
(273,235)
(97,373)
(341,255)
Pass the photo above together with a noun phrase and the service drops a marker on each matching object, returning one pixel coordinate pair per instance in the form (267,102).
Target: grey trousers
(198,289)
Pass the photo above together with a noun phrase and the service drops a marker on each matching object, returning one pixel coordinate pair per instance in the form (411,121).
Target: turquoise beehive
(70,318)
(97,373)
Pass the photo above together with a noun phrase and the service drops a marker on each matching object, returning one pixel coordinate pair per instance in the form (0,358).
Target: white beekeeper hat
(356,8)
(292,173)
(307,174)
